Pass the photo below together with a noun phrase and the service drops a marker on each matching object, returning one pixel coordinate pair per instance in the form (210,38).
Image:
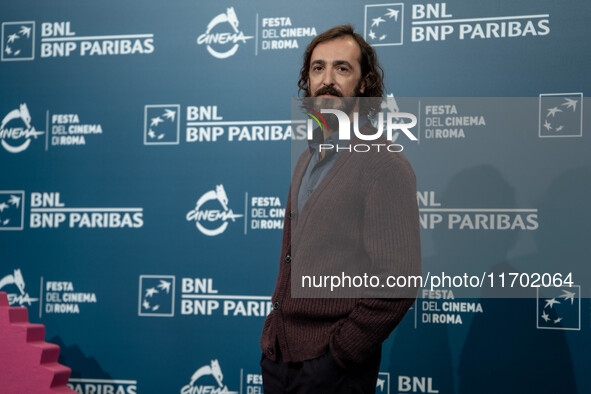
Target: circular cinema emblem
(214,216)
(16,130)
(207,379)
(226,42)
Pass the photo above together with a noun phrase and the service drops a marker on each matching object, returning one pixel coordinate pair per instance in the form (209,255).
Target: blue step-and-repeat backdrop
(145,164)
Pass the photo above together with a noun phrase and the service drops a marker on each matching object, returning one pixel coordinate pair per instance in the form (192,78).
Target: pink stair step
(18,314)
(61,373)
(30,363)
(49,352)
(34,332)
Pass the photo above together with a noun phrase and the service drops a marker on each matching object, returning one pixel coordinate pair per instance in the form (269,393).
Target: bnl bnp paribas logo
(12,212)
(383,24)
(18,41)
(17,131)
(207,215)
(156,295)
(560,115)
(435,22)
(222,38)
(161,124)
(559,308)
(58,40)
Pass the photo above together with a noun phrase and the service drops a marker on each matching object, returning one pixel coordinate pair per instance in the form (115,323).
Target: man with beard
(346,210)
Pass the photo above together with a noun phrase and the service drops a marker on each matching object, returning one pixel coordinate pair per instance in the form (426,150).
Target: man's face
(335,70)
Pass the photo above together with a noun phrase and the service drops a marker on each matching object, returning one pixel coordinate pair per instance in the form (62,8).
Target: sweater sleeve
(391,238)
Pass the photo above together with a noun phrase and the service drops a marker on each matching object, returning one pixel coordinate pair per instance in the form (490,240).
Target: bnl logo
(18,41)
(156,295)
(560,115)
(559,308)
(12,209)
(383,24)
(416,384)
(383,383)
(161,124)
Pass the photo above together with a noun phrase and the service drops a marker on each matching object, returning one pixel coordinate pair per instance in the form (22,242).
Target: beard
(344,104)
(334,91)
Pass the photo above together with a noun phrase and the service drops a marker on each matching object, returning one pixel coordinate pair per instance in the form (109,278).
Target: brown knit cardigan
(363,214)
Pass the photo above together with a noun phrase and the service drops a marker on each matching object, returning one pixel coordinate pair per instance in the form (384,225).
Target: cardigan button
(270,351)
(287,258)
(276,305)
(291,215)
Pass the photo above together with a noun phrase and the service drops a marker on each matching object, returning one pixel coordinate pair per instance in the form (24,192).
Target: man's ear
(362,88)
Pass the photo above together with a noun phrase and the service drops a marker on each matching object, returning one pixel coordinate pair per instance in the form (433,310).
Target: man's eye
(316,68)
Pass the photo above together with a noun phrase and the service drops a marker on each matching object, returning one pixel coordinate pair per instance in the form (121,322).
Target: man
(345,209)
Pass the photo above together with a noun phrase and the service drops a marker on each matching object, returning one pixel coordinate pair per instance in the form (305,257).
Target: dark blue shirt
(317,169)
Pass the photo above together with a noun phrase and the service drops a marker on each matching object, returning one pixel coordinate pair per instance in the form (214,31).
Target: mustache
(328,90)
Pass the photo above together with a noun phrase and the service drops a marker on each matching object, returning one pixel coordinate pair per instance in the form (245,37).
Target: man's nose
(327,78)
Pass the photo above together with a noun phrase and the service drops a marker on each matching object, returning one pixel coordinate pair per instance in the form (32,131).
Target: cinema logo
(15,279)
(432,215)
(207,379)
(49,211)
(16,130)
(225,43)
(208,218)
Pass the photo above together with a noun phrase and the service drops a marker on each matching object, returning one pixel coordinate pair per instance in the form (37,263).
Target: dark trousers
(321,375)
